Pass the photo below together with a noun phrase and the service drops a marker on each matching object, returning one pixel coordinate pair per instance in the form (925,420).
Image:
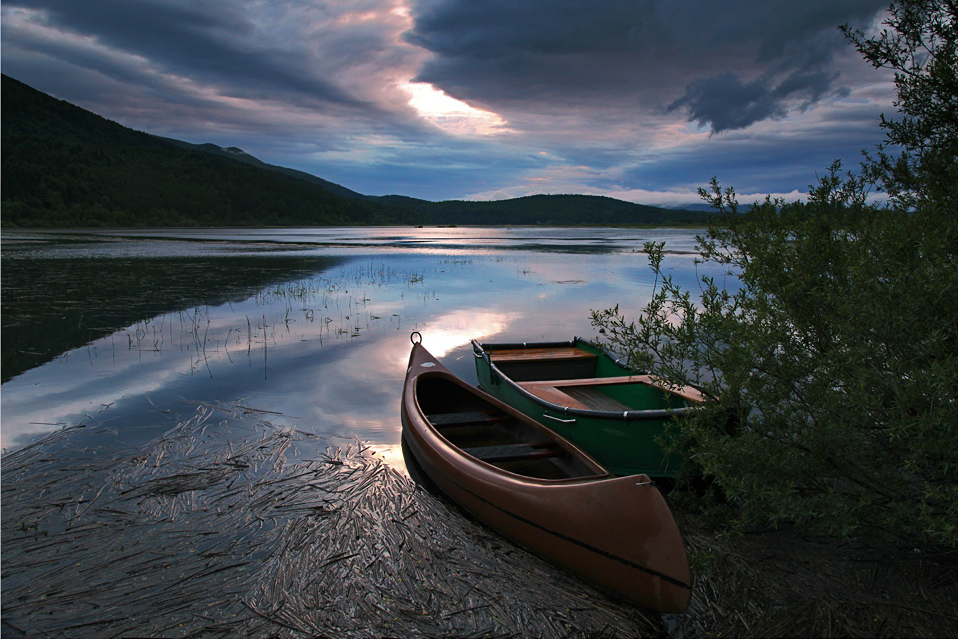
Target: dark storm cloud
(561,96)
(728,64)
(212,41)
(727,102)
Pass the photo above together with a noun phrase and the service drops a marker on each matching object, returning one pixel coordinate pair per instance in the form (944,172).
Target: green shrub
(831,371)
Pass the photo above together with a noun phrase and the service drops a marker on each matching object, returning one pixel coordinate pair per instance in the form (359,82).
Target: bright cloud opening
(452,115)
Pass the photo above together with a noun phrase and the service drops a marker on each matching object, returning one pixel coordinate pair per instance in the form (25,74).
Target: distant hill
(63,166)
(238,154)
(559,210)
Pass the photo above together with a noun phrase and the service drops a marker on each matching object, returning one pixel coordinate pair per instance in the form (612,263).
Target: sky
(641,100)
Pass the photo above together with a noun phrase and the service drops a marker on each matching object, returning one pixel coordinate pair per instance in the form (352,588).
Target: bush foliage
(832,369)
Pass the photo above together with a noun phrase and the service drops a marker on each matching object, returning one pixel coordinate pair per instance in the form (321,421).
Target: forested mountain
(242,156)
(66,167)
(63,166)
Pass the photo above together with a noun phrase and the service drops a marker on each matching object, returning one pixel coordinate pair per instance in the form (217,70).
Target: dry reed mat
(229,526)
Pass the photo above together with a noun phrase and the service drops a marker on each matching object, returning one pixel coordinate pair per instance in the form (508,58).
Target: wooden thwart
(512,452)
(551,394)
(547,389)
(594,399)
(583,397)
(466,418)
(539,354)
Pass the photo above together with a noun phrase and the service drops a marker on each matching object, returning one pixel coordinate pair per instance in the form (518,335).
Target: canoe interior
(532,364)
(574,360)
(587,368)
(482,430)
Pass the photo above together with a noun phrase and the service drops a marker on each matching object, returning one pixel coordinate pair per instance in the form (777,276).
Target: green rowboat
(589,397)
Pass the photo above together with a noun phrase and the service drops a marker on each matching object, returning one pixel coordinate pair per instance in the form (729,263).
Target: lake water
(307,327)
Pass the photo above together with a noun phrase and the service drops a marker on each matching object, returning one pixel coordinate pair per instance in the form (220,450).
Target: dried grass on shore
(229,526)
(781,583)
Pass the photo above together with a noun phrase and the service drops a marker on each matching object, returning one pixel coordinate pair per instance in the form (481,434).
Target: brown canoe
(538,489)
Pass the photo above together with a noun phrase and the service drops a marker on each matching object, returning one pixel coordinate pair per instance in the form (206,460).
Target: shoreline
(229,525)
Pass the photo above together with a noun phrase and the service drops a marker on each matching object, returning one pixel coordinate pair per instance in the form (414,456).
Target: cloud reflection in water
(327,353)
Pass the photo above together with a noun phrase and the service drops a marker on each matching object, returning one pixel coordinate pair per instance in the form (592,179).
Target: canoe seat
(513,452)
(540,354)
(580,397)
(594,399)
(546,389)
(441,420)
(549,393)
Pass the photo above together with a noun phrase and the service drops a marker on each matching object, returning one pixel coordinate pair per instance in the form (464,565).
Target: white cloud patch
(449,114)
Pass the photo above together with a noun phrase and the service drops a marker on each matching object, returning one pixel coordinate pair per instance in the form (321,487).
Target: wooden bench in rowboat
(586,393)
(539,354)
(466,418)
(525,364)
(513,452)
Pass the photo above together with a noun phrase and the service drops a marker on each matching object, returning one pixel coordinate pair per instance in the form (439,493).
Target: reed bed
(228,525)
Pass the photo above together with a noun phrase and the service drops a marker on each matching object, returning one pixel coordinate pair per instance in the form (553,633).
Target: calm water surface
(308,327)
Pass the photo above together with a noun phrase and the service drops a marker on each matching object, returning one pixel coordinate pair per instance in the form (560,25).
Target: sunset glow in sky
(644,100)
(449,114)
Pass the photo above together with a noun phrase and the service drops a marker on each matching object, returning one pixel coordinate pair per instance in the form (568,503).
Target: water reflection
(56,301)
(315,341)
(337,240)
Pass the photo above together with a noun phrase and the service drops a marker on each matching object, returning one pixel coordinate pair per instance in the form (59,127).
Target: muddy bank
(784,584)
(228,525)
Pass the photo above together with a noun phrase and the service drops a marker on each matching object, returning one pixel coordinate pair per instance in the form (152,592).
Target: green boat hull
(623,423)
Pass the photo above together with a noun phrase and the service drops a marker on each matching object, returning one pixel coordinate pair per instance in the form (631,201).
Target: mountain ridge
(63,166)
